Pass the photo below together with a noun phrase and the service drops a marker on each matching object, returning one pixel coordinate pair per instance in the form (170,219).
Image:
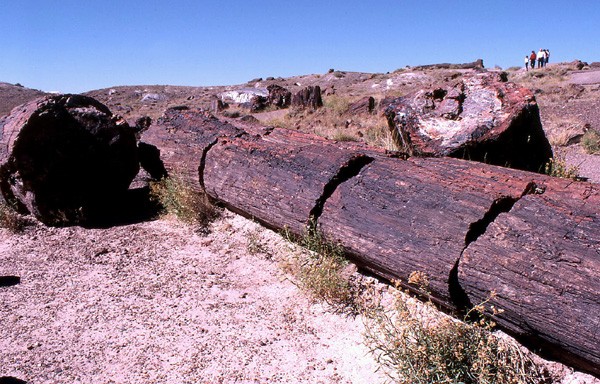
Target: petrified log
(281,179)
(278,96)
(542,259)
(365,105)
(181,140)
(396,217)
(62,155)
(471,227)
(479,118)
(477,64)
(309,97)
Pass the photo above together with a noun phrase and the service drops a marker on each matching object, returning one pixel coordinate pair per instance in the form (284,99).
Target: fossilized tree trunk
(62,156)
(460,222)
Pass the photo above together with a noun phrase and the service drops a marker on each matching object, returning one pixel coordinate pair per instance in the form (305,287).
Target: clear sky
(81,45)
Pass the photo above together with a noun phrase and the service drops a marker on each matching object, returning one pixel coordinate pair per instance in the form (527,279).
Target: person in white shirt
(541,58)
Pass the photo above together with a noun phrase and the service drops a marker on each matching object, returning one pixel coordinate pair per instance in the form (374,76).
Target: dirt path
(157,303)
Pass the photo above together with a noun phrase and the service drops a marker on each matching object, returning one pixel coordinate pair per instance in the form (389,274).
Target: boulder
(62,155)
(309,97)
(478,117)
(366,105)
(278,96)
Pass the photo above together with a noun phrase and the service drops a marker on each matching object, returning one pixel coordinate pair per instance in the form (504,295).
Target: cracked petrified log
(63,155)
(542,259)
(396,217)
(472,228)
(478,117)
(176,144)
(279,179)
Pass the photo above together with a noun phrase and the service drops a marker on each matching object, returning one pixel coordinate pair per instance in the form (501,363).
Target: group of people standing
(542,58)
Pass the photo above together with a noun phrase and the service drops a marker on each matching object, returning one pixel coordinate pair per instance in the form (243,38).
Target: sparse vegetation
(558,167)
(255,246)
(591,141)
(380,136)
(181,201)
(11,220)
(413,346)
(343,136)
(336,104)
(564,131)
(323,273)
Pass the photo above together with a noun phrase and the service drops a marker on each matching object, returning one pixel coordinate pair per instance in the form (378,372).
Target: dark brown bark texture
(62,156)
(542,259)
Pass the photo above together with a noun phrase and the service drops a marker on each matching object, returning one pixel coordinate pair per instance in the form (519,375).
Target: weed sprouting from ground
(325,273)
(412,346)
(11,220)
(255,246)
(181,201)
(558,167)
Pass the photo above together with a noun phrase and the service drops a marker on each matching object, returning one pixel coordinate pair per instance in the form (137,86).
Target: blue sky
(80,45)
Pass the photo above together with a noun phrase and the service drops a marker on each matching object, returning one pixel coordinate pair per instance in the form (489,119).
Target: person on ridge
(526,63)
(532,58)
(541,58)
(547,56)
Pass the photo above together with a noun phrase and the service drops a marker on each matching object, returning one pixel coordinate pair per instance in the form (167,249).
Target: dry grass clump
(380,136)
(563,131)
(336,104)
(590,141)
(11,220)
(412,346)
(324,275)
(181,201)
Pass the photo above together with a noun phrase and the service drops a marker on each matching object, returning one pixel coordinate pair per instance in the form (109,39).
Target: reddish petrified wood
(62,156)
(280,179)
(471,227)
(542,259)
(182,138)
(398,216)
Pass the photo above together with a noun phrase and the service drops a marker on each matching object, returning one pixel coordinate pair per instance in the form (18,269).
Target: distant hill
(12,95)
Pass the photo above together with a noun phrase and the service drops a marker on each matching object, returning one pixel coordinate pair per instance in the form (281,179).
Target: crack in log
(345,173)
(504,204)
(202,165)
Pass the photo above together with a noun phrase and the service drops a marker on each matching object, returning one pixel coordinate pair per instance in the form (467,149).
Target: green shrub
(186,204)
(558,167)
(591,141)
(412,347)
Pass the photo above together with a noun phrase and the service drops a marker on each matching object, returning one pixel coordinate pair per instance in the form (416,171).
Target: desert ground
(160,301)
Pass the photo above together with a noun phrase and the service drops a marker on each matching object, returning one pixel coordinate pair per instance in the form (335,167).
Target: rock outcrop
(62,155)
(478,117)
(279,97)
(309,97)
(477,64)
